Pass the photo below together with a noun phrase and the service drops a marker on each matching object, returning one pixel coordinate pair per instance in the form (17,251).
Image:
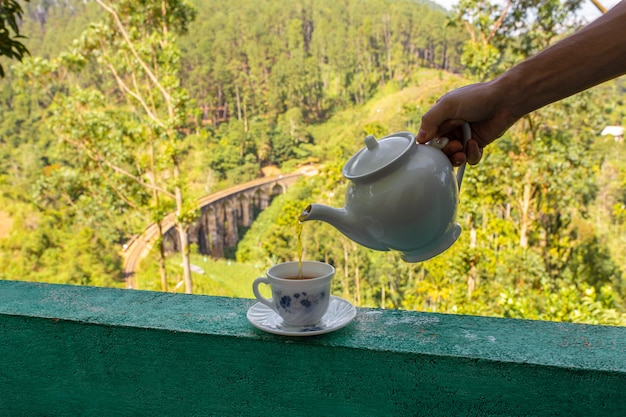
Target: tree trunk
(525,215)
(238,102)
(161,260)
(357,277)
(346,258)
(155,197)
(183,238)
(184,250)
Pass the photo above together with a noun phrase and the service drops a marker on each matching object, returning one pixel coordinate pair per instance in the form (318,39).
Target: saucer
(340,313)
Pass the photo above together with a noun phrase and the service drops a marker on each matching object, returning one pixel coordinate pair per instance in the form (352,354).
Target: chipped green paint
(70,351)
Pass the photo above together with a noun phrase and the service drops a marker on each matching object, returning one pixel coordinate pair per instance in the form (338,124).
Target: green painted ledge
(75,351)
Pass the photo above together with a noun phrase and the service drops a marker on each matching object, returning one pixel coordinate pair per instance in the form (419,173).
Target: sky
(589,11)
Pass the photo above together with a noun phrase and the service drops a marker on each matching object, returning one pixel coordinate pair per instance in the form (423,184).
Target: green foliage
(49,249)
(258,85)
(11,13)
(312,56)
(500,33)
(290,139)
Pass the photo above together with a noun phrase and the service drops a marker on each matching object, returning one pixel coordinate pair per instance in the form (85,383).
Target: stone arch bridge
(217,227)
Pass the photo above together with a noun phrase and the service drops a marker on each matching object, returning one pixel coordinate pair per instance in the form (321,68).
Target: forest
(126,111)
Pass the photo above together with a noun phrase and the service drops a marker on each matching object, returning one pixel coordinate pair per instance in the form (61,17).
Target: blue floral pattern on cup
(297,301)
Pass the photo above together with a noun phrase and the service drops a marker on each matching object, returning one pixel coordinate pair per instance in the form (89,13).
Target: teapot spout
(347,223)
(339,218)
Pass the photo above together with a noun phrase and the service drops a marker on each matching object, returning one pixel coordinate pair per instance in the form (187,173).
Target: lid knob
(371,142)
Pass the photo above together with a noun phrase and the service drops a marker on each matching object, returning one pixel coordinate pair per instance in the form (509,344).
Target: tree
(10,46)
(533,217)
(139,141)
(521,27)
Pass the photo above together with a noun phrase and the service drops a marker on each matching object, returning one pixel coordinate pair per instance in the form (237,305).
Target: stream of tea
(299,244)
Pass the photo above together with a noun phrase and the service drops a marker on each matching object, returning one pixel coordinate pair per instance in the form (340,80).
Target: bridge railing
(76,351)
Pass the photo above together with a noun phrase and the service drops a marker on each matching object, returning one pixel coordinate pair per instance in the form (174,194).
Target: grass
(221,277)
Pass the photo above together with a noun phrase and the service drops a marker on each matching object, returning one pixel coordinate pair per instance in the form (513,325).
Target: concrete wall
(73,351)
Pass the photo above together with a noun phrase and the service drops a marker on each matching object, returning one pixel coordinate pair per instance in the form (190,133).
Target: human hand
(482,106)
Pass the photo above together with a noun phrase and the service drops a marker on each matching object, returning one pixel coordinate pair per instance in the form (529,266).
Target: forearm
(591,56)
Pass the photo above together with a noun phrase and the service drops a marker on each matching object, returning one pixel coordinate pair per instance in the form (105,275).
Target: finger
(458,159)
(432,122)
(473,151)
(452,129)
(425,134)
(452,147)
(456,153)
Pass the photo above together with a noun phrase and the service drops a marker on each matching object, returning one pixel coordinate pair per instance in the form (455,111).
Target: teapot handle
(443,141)
(467,135)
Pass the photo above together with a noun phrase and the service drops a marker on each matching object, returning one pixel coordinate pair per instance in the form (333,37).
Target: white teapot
(403,196)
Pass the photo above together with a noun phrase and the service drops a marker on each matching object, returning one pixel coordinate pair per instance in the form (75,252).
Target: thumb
(424,134)
(431,123)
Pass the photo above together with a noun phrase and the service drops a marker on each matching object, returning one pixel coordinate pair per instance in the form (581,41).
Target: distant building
(616,131)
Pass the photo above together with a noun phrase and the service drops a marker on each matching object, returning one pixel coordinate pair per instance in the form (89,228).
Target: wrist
(509,95)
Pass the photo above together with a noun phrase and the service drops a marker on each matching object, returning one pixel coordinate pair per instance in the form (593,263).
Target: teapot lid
(377,154)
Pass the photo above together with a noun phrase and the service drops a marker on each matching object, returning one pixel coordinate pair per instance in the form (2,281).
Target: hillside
(238,116)
(125,114)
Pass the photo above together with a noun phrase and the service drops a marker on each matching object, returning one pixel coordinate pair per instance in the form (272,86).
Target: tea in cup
(300,294)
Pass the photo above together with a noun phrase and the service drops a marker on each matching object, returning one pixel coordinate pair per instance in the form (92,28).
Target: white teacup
(299,301)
